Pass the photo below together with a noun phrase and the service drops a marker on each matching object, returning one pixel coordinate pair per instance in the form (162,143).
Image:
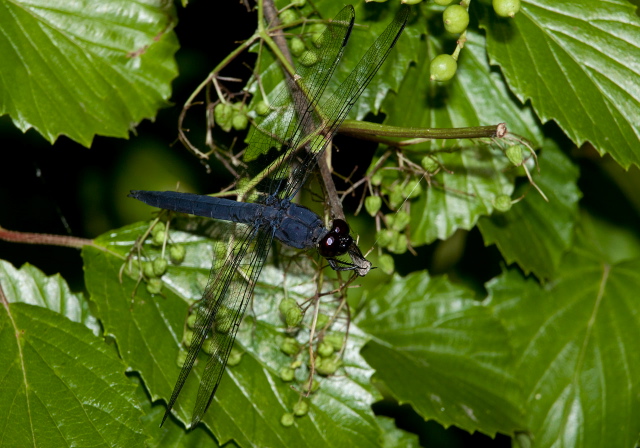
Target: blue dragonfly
(283,149)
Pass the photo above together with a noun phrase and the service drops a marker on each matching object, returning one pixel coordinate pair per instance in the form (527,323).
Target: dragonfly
(283,149)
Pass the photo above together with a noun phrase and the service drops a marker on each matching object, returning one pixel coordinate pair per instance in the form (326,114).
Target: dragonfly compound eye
(337,241)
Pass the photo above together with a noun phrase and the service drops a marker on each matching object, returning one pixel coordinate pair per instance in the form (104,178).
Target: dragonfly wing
(292,103)
(329,115)
(220,312)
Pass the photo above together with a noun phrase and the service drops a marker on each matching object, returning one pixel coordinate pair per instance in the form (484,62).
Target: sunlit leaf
(577,64)
(72,69)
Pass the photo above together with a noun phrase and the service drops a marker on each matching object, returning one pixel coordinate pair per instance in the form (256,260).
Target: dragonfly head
(337,241)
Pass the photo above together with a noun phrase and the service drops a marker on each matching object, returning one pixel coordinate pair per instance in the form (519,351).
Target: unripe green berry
(290,346)
(287,419)
(286,305)
(514,154)
(287,374)
(301,408)
(159,227)
(147,269)
(372,204)
(157,239)
(297,46)
(401,220)
(328,366)
(191,320)
(506,8)
(335,339)
(399,244)
(308,58)
(411,2)
(234,357)
(443,67)
(160,266)
(293,317)
(325,349)
(384,237)
(154,286)
(223,113)
(456,19)
(182,358)
(288,16)
(187,337)
(442,2)
(262,108)
(177,252)
(240,122)
(429,164)
(412,189)
(502,203)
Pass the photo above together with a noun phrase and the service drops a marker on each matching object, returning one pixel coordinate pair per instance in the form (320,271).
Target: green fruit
(384,237)
(411,2)
(301,408)
(293,317)
(287,419)
(286,305)
(262,108)
(223,113)
(328,366)
(401,220)
(315,385)
(182,358)
(160,266)
(386,264)
(325,349)
(443,67)
(159,227)
(412,189)
(429,164)
(240,122)
(177,252)
(234,357)
(297,46)
(191,320)
(290,346)
(399,244)
(186,338)
(158,238)
(442,2)
(372,204)
(287,374)
(288,16)
(456,19)
(154,286)
(502,203)
(308,58)
(147,269)
(506,8)
(514,154)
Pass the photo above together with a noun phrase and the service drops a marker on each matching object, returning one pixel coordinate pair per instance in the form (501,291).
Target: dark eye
(337,241)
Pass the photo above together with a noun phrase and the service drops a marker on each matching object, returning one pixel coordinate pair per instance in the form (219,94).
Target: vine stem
(44,238)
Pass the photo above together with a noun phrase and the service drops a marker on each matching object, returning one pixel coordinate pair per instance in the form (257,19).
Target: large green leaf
(70,68)
(536,233)
(441,351)
(61,385)
(576,345)
(252,398)
(576,62)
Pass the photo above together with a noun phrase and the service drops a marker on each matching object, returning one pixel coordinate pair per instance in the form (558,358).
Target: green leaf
(392,436)
(476,173)
(535,233)
(576,344)
(573,61)
(61,385)
(441,351)
(30,285)
(90,71)
(251,399)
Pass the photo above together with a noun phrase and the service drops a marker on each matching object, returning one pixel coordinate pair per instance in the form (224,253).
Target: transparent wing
(300,122)
(220,312)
